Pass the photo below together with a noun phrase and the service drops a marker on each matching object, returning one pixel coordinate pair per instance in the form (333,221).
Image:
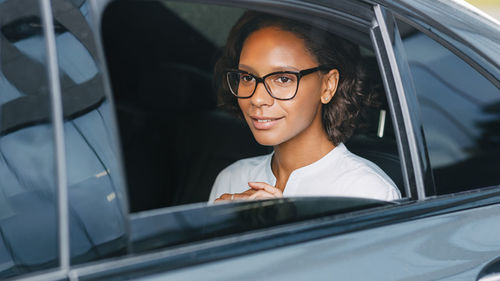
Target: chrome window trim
(57,274)
(58,124)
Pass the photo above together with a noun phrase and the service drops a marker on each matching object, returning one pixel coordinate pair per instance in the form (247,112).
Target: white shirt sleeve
(374,186)
(235,177)
(221,185)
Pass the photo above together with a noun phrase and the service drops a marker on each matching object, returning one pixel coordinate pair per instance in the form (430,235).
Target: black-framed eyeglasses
(281,85)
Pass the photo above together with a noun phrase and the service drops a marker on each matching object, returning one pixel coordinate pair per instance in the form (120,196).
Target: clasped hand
(258,190)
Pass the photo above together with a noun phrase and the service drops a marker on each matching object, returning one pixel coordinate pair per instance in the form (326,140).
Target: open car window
(175,137)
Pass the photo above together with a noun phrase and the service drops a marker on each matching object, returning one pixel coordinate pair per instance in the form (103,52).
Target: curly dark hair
(340,115)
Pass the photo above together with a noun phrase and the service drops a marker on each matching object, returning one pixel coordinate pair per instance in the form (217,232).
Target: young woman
(300,90)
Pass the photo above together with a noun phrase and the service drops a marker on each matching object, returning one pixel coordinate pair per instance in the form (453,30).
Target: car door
(450,232)
(427,235)
(433,236)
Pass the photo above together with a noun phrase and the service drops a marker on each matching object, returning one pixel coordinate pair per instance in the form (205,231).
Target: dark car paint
(276,236)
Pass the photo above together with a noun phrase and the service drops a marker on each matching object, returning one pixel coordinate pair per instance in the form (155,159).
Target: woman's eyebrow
(246,68)
(273,69)
(284,68)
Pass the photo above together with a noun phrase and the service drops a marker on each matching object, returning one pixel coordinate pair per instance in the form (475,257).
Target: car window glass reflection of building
(77,57)
(95,188)
(28,214)
(460,114)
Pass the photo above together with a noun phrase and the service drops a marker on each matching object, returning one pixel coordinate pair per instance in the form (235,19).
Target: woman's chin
(267,139)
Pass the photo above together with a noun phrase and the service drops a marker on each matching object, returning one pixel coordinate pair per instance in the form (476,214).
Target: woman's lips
(264,123)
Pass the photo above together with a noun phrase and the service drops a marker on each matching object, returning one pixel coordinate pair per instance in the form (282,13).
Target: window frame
(205,249)
(414,159)
(58,123)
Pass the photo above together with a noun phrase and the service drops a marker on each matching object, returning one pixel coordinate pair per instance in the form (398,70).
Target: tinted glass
(460,110)
(95,186)
(28,205)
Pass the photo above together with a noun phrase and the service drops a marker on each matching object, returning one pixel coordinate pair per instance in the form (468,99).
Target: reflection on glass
(460,113)
(28,212)
(95,187)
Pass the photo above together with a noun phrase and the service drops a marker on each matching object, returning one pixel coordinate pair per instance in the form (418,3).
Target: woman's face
(272,121)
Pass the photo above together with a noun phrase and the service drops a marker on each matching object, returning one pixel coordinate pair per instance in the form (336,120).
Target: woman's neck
(299,152)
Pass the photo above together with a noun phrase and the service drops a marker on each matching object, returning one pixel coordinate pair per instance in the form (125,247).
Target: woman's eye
(246,78)
(284,79)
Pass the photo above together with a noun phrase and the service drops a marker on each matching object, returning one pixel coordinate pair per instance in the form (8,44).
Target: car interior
(175,139)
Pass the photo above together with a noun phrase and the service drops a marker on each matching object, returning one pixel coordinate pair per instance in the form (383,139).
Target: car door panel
(454,246)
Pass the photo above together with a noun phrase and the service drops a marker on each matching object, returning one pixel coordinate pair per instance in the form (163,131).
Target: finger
(243,195)
(262,194)
(218,200)
(267,187)
(235,196)
(224,197)
(258,185)
(249,192)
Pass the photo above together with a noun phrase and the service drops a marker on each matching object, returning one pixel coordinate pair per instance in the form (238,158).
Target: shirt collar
(311,168)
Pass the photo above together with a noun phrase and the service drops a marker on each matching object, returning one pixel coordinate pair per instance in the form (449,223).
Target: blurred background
(491,7)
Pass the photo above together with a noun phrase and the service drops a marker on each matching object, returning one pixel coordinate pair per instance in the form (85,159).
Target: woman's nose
(261,97)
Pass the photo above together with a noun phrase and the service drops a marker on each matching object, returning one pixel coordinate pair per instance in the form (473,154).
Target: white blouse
(338,173)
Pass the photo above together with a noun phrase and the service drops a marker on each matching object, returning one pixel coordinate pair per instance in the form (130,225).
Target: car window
(28,197)
(175,137)
(98,216)
(460,112)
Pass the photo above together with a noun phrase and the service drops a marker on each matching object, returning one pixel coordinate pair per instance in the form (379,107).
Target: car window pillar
(57,120)
(402,96)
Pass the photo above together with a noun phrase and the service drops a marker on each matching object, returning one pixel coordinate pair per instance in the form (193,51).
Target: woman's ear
(330,83)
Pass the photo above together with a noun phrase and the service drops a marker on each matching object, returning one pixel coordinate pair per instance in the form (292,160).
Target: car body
(106,107)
